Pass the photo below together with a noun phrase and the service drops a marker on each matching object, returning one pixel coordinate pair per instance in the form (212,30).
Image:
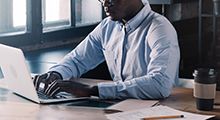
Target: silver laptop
(17,75)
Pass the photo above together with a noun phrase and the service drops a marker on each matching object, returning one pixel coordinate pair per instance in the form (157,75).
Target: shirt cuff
(113,90)
(107,90)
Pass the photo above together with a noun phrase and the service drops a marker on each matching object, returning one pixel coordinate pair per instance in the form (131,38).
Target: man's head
(121,10)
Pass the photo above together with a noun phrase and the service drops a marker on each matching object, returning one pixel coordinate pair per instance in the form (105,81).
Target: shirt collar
(133,23)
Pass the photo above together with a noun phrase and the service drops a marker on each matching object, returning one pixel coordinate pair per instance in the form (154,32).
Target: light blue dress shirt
(142,56)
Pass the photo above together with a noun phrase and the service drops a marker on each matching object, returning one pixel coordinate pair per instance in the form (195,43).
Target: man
(139,46)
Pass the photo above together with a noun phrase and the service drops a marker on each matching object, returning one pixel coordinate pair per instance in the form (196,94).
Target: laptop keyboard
(61,95)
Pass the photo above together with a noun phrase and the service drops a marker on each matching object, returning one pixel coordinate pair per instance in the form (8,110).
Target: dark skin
(128,9)
(53,84)
(71,86)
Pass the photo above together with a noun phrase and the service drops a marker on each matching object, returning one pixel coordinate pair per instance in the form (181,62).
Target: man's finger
(38,79)
(51,88)
(37,82)
(47,79)
(54,92)
(48,87)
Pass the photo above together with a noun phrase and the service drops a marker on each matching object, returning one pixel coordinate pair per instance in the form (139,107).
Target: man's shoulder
(159,19)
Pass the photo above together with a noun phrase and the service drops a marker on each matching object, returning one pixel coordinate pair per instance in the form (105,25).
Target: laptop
(18,77)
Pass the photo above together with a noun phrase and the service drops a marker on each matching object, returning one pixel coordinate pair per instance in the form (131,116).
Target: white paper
(132,104)
(156,111)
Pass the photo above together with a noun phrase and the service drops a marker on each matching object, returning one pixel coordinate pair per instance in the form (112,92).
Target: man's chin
(113,18)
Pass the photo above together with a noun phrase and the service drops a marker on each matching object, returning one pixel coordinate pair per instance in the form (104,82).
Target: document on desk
(155,112)
(132,104)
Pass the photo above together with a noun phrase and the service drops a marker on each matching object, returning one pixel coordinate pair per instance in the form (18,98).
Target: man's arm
(86,56)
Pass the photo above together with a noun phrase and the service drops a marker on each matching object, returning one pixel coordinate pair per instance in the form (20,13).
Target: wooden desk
(182,99)
(14,107)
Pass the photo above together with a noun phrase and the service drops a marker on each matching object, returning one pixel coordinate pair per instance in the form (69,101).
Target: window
(56,13)
(42,21)
(19,13)
(13,16)
(88,12)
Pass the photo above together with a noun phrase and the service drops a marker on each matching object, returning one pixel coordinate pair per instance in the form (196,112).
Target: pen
(163,117)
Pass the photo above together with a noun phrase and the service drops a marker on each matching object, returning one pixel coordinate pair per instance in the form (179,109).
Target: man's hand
(46,79)
(73,87)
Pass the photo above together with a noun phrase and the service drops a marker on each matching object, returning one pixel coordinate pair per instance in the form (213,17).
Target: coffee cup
(204,88)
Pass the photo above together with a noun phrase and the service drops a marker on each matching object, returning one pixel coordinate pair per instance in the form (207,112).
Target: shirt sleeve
(162,69)
(87,55)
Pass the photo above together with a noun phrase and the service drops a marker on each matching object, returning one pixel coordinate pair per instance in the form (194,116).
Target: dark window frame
(35,34)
